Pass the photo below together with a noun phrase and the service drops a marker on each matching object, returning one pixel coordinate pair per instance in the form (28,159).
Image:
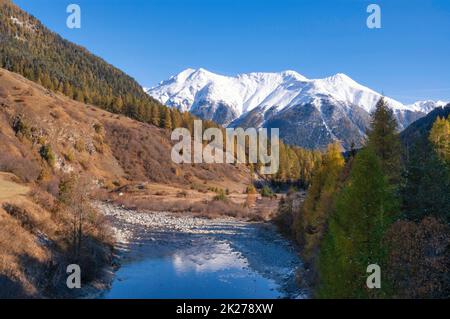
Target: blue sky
(407,59)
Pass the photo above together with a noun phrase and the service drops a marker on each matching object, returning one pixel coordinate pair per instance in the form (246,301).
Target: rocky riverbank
(217,251)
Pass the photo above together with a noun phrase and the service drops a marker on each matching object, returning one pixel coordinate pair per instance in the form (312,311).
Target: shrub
(20,215)
(418,261)
(117,183)
(266,191)
(49,182)
(41,140)
(221,196)
(27,170)
(69,156)
(21,127)
(224,208)
(250,189)
(47,154)
(98,128)
(80,146)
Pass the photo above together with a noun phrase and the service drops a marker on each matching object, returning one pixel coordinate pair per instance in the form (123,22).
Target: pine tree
(440,138)
(68,90)
(167,122)
(155,116)
(311,221)
(117,105)
(132,111)
(384,140)
(364,209)
(47,82)
(426,190)
(78,95)
(176,118)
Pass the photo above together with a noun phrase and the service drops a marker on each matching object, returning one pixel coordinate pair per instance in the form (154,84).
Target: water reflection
(218,257)
(249,261)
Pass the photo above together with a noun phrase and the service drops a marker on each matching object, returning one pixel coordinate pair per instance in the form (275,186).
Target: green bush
(266,191)
(47,154)
(21,127)
(221,196)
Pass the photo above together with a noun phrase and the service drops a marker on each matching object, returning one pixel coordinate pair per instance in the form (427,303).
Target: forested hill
(421,128)
(27,47)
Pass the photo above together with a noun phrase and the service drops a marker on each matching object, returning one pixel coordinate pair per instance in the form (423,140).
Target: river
(165,255)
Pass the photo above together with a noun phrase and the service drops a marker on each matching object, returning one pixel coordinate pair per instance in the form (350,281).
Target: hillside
(27,47)
(111,148)
(47,138)
(421,128)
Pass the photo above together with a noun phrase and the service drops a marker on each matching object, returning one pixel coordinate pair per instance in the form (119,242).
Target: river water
(175,256)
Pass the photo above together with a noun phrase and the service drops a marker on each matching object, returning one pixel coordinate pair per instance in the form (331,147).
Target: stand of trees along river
(388,204)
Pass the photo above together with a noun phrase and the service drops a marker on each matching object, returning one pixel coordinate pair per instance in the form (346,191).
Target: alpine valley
(310,113)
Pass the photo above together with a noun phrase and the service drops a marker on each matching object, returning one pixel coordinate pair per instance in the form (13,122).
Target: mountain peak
(247,91)
(294,74)
(426,106)
(183,75)
(341,78)
(260,98)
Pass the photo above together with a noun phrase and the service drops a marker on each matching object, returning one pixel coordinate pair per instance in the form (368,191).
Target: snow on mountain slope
(242,93)
(265,99)
(426,106)
(248,91)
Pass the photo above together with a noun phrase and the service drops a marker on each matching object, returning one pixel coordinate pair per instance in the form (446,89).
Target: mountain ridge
(266,99)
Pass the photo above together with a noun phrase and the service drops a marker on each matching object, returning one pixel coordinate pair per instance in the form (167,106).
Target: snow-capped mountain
(309,112)
(426,106)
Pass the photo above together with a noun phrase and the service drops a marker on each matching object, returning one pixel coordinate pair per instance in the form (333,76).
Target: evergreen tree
(176,118)
(117,105)
(155,116)
(186,122)
(310,222)
(426,191)
(384,140)
(78,95)
(440,138)
(60,87)
(167,122)
(364,209)
(132,111)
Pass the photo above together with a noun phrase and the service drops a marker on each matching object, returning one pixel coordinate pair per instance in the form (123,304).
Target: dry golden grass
(9,189)
(87,139)
(119,154)
(35,243)
(21,255)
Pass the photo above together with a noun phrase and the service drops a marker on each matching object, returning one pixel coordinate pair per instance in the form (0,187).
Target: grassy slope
(10,189)
(120,154)
(111,148)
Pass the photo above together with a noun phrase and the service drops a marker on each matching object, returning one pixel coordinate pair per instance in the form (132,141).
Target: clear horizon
(407,59)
